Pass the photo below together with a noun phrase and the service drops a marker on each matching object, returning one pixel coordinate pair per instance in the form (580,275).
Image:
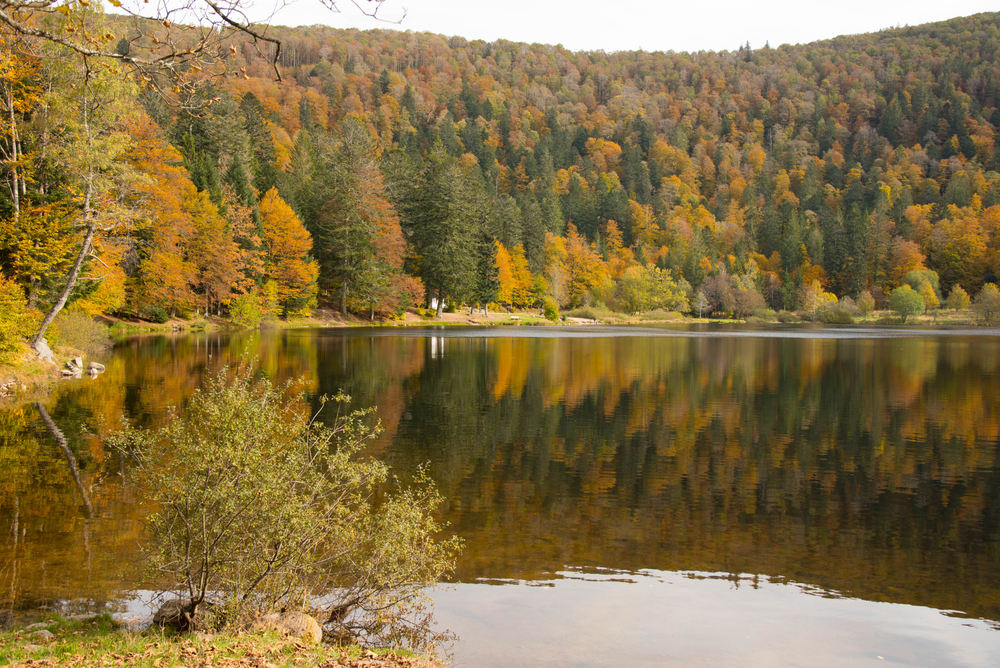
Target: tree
(273,509)
(906,301)
(958,299)
(172,39)
(987,303)
(287,245)
(89,105)
(700,303)
(444,211)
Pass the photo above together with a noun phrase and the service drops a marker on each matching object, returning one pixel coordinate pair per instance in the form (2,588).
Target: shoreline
(100,641)
(29,377)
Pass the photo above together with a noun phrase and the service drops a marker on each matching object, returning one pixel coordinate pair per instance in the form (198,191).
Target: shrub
(78,330)
(787,316)
(550,309)
(865,302)
(849,305)
(158,314)
(259,507)
(834,314)
(247,310)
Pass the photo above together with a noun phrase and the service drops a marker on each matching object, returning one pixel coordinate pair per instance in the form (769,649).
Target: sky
(695,25)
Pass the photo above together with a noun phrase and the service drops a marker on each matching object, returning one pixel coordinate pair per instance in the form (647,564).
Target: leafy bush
(550,309)
(247,310)
(259,507)
(589,312)
(834,315)
(865,303)
(787,316)
(158,314)
(78,330)
(660,314)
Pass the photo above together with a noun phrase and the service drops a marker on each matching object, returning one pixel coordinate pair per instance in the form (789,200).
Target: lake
(628,496)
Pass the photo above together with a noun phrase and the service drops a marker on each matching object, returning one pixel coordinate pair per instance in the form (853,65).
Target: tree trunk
(440,307)
(70,282)
(13,154)
(70,459)
(343,298)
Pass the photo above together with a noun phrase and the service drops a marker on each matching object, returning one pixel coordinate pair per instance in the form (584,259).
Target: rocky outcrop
(295,624)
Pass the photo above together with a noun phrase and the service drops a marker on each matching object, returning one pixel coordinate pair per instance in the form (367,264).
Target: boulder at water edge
(295,624)
(179,614)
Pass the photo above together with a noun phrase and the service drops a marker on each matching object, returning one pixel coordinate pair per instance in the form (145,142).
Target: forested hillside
(385,168)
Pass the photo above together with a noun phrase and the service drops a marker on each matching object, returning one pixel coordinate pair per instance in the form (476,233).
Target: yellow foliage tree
(287,245)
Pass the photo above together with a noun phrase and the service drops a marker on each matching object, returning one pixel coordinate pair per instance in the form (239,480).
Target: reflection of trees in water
(867,466)
(864,466)
(69,527)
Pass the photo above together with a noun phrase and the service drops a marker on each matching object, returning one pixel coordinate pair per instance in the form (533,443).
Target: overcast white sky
(642,24)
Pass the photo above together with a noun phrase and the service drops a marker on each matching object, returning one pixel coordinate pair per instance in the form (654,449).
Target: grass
(99,642)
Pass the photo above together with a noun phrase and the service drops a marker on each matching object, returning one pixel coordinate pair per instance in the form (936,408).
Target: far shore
(28,377)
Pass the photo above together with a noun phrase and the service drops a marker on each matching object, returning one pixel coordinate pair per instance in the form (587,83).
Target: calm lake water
(628,496)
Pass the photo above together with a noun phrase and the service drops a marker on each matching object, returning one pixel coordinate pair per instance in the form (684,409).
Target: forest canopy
(386,168)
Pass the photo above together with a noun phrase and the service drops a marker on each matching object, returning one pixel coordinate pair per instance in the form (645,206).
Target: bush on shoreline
(261,507)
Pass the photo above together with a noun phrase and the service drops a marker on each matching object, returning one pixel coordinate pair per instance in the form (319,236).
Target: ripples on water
(857,464)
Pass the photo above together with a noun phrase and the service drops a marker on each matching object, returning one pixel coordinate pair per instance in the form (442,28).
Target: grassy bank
(100,642)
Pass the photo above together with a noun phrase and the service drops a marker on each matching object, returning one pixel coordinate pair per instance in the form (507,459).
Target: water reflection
(866,466)
(657,618)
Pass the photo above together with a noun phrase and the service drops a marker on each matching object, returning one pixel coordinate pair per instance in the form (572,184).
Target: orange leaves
(603,153)
(287,245)
(516,281)
(904,257)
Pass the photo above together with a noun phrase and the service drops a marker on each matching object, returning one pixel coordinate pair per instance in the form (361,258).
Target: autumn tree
(987,303)
(89,104)
(958,299)
(287,245)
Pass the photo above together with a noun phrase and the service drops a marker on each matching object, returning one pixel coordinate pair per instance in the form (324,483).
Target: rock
(295,624)
(204,637)
(180,615)
(75,363)
(31,648)
(95,366)
(42,634)
(43,350)
(39,625)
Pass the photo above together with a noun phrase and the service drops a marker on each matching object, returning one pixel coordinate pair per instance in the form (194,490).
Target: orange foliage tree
(287,245)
